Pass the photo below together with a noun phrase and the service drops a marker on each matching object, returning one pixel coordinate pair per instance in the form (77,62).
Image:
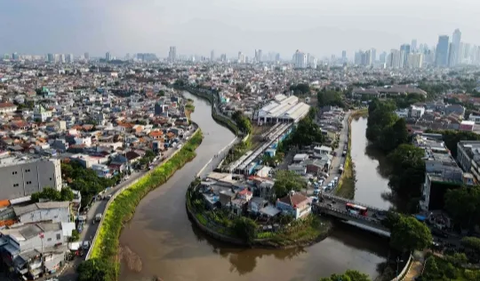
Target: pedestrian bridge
(336,207)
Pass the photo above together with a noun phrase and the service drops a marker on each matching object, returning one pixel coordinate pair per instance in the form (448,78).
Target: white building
(43,212)
(415,60)
(21,177)
(300,59)
(416,111)
(40,113)
(283,109)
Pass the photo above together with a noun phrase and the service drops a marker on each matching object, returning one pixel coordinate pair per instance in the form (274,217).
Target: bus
(357,209)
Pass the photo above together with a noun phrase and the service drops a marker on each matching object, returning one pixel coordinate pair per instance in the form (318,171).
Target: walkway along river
(160,240)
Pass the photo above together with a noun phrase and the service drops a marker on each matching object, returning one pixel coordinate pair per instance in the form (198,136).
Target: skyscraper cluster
(60,58)
(455,52)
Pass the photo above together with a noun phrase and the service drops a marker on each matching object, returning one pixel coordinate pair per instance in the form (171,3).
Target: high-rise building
(455,57)
(86,56)
(223,57)
(108,57)
(212,55)
(51,58)
(374,55)
(69,58)
(15,56)
(299,59)
(344,56)
(414,46)
(258,55)
(241,57)
(394,59)
(415,60)
(358,57)
(368,58)
(277,57)
(172,54)
(383,57)
(441,54)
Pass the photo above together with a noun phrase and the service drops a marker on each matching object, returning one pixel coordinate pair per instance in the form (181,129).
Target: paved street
(89,230)
(339,159)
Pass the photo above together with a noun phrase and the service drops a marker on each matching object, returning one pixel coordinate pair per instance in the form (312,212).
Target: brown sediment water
(169,247)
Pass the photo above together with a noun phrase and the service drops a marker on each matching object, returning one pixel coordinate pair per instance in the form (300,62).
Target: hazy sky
(320,27)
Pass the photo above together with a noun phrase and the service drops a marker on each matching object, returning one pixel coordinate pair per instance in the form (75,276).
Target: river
(170,248)
(370,172)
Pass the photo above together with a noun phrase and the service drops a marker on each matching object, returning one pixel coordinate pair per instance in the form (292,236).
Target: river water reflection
(370,168)
(171,248)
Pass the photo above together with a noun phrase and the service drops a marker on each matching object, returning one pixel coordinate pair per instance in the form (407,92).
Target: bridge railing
(343,212)
(325,195)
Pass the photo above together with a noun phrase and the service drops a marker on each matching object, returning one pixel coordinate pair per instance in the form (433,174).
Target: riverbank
(212,97)
(346,183)
(299,233)
(123,207)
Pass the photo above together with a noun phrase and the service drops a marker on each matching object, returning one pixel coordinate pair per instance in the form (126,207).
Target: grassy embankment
(346,184)
(123,207)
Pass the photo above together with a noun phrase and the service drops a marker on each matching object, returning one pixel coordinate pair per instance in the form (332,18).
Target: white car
(86,245)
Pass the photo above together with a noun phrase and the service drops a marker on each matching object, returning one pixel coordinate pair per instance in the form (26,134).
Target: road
(68,273)
(339,159)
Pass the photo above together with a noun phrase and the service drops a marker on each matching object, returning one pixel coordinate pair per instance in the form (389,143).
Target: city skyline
(196,28)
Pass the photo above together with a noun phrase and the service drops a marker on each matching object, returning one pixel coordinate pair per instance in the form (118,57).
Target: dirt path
(414,271)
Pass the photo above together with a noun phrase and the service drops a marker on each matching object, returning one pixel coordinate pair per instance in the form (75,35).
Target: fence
(405,269)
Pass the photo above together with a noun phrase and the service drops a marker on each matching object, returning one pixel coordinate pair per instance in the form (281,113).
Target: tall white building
(108,57)
(300,59)
(394,59)
(62,58)
(241,57)
(212,55)
(415,60)
(455,56)
(258,55)
(172,54)
(69,58)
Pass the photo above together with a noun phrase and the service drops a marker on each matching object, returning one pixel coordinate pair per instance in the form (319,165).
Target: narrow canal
(372,180)
(161,242)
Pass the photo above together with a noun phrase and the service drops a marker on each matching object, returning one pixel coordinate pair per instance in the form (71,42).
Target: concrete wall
(24,179)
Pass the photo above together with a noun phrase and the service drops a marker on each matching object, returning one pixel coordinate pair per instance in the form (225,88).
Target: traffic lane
(341,206)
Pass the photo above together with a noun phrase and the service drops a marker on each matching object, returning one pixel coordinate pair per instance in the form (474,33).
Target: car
(86,245)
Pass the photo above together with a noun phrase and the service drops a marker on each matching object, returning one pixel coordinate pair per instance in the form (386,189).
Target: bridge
(335,206)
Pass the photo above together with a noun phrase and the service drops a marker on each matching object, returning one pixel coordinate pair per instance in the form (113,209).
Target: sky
(319,27)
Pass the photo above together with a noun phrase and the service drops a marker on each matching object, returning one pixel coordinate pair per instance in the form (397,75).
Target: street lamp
(398,261)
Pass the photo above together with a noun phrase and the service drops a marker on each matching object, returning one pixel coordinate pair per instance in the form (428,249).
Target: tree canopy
(85,180)
(306,133)
(330,97)
(407,170)
(472,243)
(385,130)
(286,181)
(51,194)
(245,228)
(408,234)
(349,275)
(96,270)
(300,89)
(243,123)
(463,205)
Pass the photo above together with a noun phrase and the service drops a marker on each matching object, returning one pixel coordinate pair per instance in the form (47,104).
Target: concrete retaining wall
(405,269)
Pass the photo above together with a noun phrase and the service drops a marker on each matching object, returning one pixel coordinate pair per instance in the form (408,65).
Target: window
(14,172)
(29,182)
(27,170)
(58,236)
(50,178)
(15,185)
(49,239)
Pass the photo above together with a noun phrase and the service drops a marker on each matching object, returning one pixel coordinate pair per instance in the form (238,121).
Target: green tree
(245,228)
(75,236)
(306,133)
(96,270)
(66,194)
(47,193)
(472,243)
(349,275)
(409,234)
(407,170)
(300,89)
(384,129)
(285,181)
(463,205)
(330,97)
(457,259)
(244,124)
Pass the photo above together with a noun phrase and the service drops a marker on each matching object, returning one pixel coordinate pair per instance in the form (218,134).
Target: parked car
(86,245)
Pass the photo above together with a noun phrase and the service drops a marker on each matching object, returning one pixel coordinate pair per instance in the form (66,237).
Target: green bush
(123,207)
